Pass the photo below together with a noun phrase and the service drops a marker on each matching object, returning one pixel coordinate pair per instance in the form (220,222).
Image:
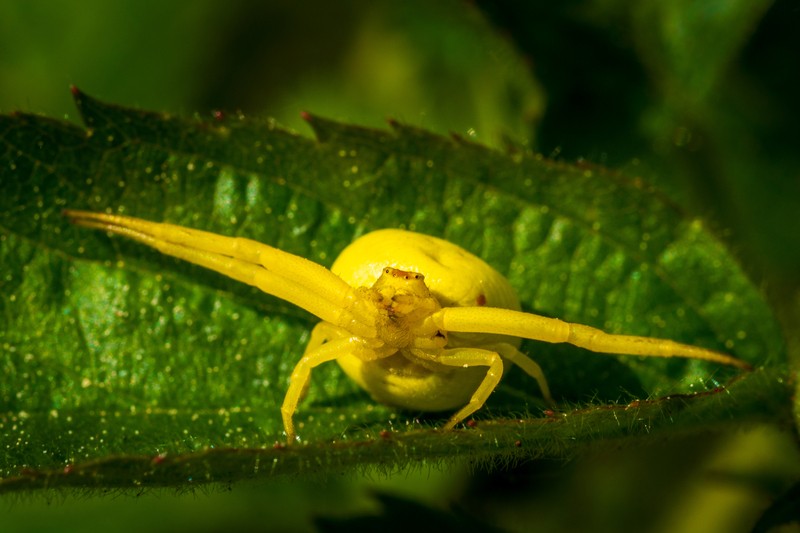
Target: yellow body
(456,278)
(416,321)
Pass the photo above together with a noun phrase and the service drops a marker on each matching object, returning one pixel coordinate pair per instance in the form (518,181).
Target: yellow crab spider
(416,321)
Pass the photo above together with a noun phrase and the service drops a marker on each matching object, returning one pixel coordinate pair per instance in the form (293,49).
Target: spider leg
(289,277)
(322,333)
(528,365)
(536,327)
(299,380)
(467,357)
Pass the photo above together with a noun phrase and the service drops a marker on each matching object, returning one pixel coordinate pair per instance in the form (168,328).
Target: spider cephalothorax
(403,309)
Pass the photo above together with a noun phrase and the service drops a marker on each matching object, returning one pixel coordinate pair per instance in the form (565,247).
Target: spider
(416,321)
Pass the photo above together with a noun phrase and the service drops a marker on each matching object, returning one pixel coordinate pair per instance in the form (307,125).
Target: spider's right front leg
(323,333)
(318,352)
(286,276)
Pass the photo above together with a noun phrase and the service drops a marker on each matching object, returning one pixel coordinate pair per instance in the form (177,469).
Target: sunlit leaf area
(628,166)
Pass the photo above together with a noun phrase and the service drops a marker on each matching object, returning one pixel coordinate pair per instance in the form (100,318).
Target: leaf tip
(320,126)
(78,96)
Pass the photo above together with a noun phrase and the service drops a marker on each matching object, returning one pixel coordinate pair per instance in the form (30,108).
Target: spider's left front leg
(469,357)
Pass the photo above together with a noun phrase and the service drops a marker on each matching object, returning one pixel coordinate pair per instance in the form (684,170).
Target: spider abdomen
(400,382)
(456,278)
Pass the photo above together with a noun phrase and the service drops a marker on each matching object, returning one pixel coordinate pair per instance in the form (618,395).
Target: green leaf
(125,368)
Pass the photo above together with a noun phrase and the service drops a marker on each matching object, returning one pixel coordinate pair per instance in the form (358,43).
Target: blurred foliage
(699,98)
(702,94)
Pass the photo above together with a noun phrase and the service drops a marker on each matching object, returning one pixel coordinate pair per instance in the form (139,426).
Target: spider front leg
(286,276)
(301,375)
(322,333)
(467,357)
(530,326)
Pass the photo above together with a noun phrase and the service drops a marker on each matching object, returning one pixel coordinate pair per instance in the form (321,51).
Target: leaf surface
(123,367)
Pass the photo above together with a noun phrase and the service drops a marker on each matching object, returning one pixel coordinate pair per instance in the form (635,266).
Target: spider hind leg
(468,357)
